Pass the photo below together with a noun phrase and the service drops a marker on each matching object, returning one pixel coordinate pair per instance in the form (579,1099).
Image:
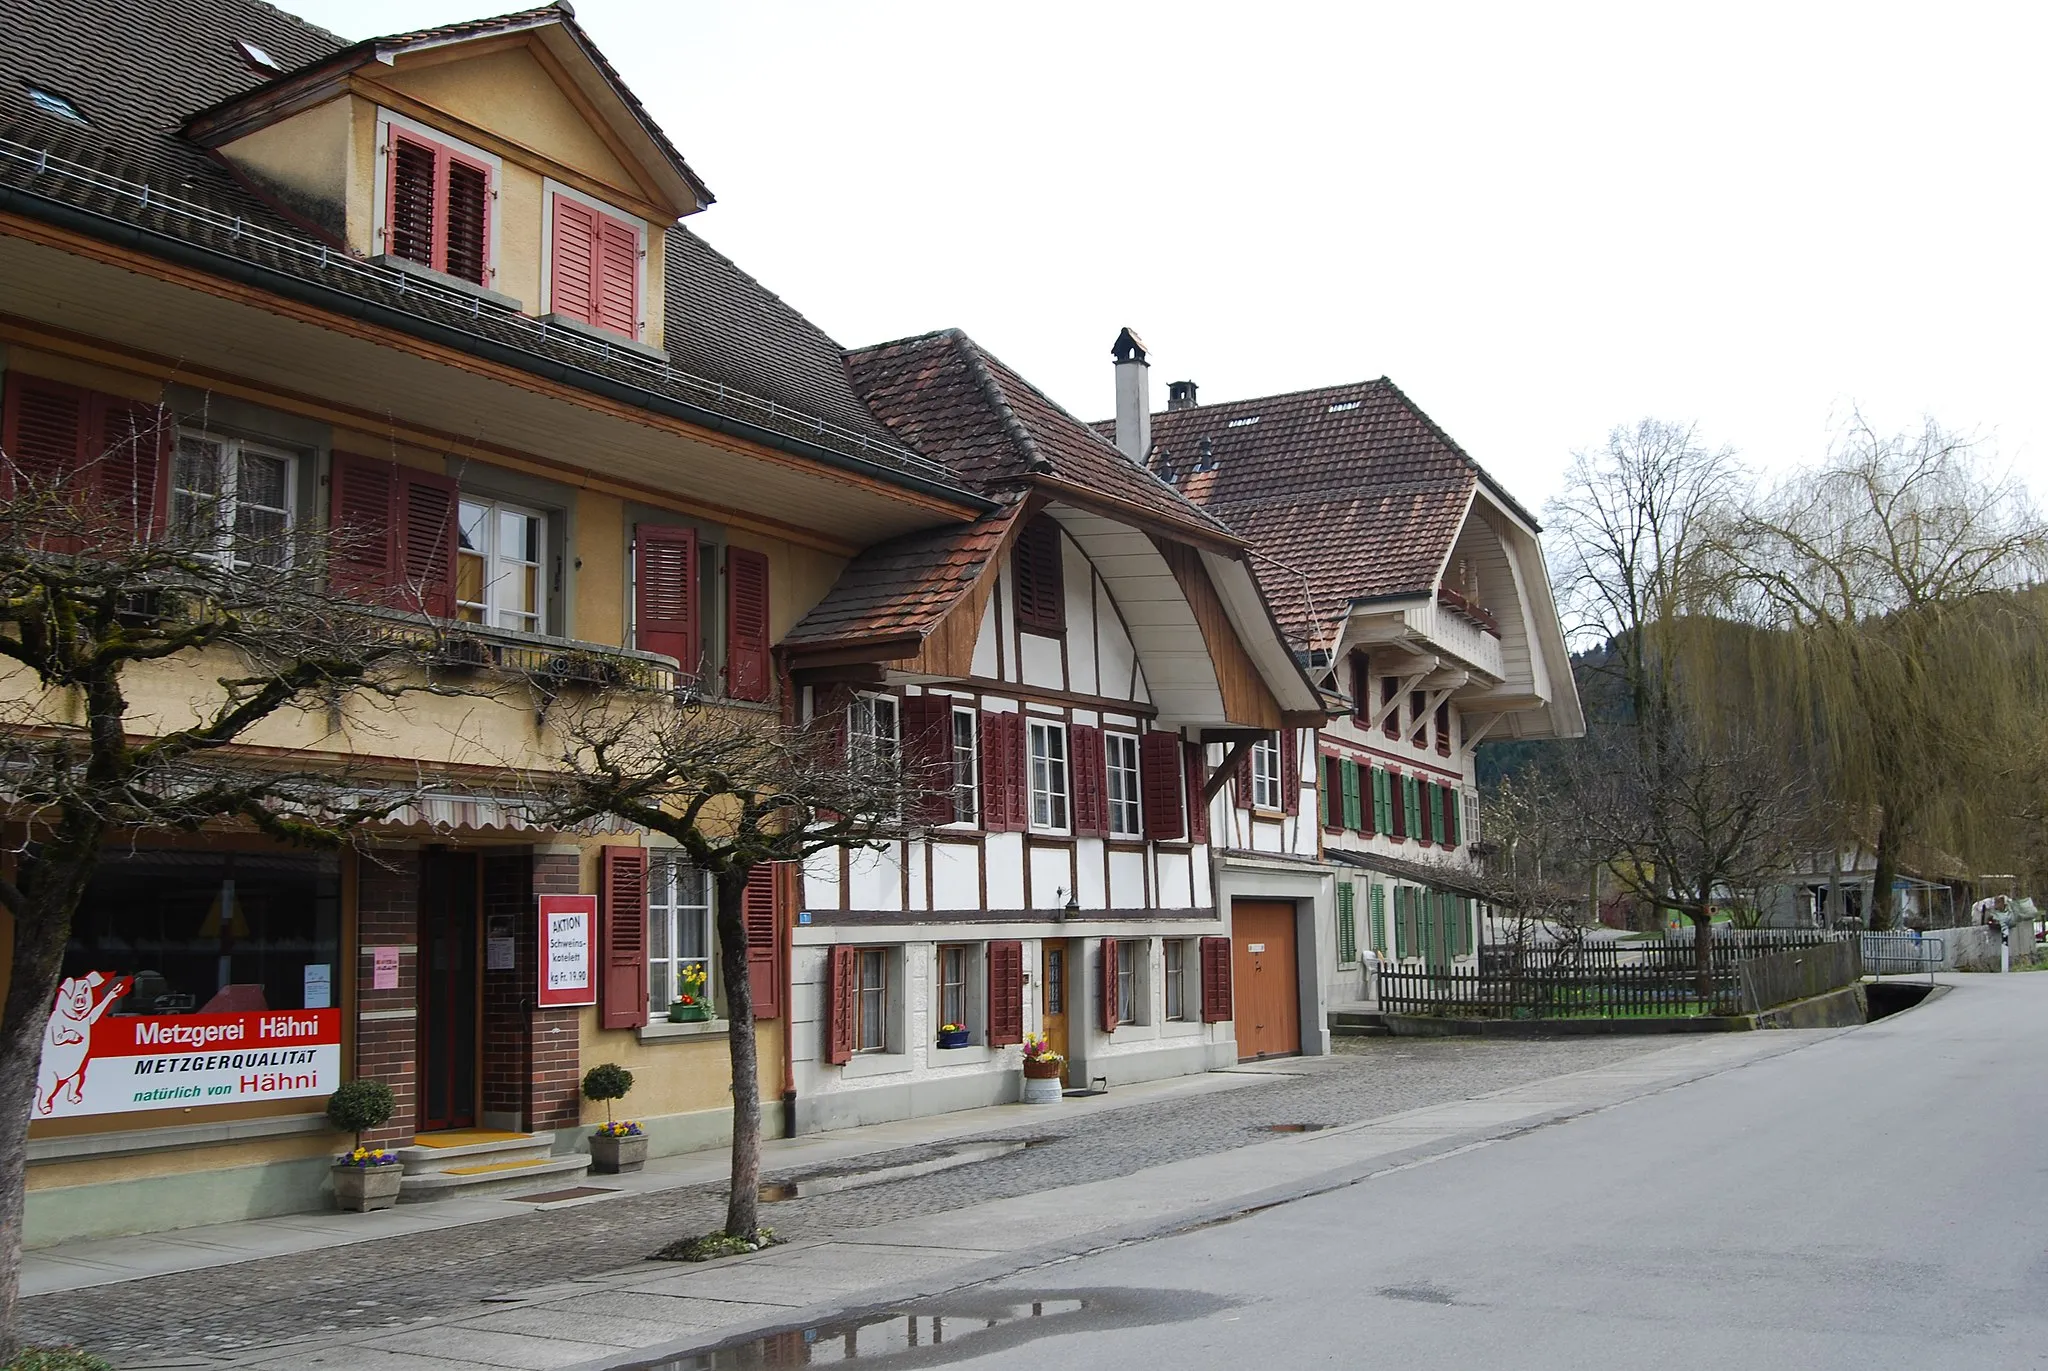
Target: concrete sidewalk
(649,1311)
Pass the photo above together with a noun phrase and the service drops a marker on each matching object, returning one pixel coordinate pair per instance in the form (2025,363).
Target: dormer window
(437,202)
(257,57)
(594,263)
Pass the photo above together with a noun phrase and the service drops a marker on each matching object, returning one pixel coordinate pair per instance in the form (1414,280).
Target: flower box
(1044,1068)
(613,1153)
(689,1013)
(954,1038)
(359,1189)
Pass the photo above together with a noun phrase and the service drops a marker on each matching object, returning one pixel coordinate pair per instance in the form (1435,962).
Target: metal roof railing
(409,286)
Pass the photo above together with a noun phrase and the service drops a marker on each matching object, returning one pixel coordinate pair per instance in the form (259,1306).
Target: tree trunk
(51,885)
(1703,954)
(742,1209)
(1881,896)
(1831,915)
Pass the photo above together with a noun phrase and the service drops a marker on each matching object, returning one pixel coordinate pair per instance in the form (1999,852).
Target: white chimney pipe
(1133,397)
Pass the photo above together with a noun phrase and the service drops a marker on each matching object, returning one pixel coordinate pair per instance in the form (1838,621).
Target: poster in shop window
(568,950)
(99,1061)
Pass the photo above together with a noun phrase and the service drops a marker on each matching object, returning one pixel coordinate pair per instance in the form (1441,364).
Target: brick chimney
(1133,397)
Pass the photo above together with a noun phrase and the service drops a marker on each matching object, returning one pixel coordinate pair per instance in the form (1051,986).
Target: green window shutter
(1382,812)
(1379,918)
(1432,949)
(1400,922)
(1347,923)
(1436,816)
(1413,799)
(1352,815)
(1454,798)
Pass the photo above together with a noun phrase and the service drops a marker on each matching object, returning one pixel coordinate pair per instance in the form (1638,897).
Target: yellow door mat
(488,1167)
(465,1137)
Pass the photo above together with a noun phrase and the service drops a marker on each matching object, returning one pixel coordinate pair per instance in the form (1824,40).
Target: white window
(679,936)
(874,730)
(1128,951)
(1176,980)
(1266,773)
(236,495)
(955,964)
(871,999)
(1125,817)
(1048,775)
(966,769)
(500,566)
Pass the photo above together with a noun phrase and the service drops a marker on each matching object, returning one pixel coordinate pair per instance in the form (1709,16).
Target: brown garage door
(1268,988)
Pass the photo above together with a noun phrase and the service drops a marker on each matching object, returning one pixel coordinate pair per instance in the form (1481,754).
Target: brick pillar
(555,1070)
(387,1021)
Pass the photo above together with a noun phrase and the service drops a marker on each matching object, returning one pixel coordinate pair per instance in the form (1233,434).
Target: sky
(1541,221)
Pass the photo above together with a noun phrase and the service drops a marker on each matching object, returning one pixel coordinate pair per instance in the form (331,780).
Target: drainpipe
(786,934)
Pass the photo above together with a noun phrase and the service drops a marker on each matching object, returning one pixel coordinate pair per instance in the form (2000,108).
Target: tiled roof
(1352,489)
(736,350)
(960,405)
(905,586)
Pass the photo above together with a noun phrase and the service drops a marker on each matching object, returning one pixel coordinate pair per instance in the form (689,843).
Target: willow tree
(1903,649)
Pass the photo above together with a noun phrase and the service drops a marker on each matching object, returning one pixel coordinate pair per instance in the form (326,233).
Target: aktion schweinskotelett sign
(568,950)
(100,1063)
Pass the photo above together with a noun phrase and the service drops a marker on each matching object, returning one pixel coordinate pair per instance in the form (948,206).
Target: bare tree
(736,788)
(147,653)
(1535,868)
(1904,657)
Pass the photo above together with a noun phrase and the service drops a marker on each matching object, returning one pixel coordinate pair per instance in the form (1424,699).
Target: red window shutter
(1425,810)
(466,212)
(410,200)
(1017,763)
(427,541)
(362,508)
(995,774)
(665,593)
(928,757)
(1035,567)
(1088,781)
(132,465)
(764,941)
(46,430)
(618,277)
(1108,986)
(1368,799)
(572,261)
(1241,783)
(622,999)
(1194,758)
(747,673)
(1005,993)
(1290,771)
(840,993)
(1159,770)
(1397,786)
(1215,980)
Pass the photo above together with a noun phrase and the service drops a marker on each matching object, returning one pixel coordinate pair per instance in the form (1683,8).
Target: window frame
(665,910)
(1034,729)
(445,144)
(551,188)
(495,506)
(866,959)
(1174,976)
(866,708)
(230,450)
(1129,1000)
(962,989)
(966,767)
(1265,771)
(1125,773)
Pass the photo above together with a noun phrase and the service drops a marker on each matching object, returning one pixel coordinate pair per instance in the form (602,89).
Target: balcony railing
(1468,609)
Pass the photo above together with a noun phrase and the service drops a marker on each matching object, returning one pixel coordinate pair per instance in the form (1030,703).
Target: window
(1035,566)
(871,999)
(499,555)
(1417,704)
(1176,980)
(1127,952)
(1055,980)
(1126,819)
(1391,725)
(1048,775)
(966,769)
(49,102)
(593,265)
(1266,773)
(954,963)
(874,730)
(1443,729)
(437,203)
(237,495)
(679,927)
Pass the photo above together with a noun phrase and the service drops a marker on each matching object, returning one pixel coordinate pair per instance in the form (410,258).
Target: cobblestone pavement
(395,1281)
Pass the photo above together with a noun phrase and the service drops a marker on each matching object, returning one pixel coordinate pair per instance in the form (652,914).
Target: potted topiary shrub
(618,1145)
(365,1178)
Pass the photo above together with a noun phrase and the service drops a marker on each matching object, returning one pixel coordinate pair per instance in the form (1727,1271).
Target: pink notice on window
(384,968)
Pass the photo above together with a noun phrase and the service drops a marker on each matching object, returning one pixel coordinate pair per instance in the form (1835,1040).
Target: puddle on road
(1294,1127)
(937,1332)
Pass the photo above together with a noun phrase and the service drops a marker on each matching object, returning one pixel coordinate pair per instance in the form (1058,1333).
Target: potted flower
(365,1178)
(1043,1069)
(617,1145)
(952,1035)
(691,1004)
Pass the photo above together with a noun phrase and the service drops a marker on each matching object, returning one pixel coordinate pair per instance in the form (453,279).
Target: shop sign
(568,941)
(97,1062)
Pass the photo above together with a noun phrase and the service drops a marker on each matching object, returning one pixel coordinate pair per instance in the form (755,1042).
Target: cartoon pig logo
(67,1041)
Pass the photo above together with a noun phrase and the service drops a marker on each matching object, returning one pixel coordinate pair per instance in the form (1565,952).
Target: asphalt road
(1878,1199)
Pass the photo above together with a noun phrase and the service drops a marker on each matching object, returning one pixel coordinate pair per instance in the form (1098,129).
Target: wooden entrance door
(1052,982)
(1267,975)
(448,1002)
